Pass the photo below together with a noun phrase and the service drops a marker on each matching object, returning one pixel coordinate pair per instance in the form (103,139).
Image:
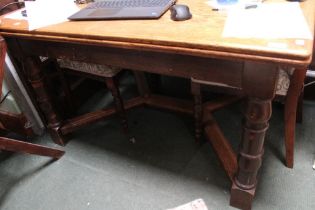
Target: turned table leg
(112,85)
(250,155)
(35,77)
(196,92)
(259,81)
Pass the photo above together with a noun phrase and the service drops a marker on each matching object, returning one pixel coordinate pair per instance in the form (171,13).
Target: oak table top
(202,35)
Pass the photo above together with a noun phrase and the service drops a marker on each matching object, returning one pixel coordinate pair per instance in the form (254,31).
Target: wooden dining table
(194,48)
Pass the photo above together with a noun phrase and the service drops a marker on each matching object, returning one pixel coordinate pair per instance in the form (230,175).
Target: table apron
(222,72)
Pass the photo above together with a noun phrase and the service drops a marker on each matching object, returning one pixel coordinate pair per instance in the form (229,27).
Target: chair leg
(112,85)
(72,107)
(29,148)
(289,129)
(291,102)
(299,114)
(196,92)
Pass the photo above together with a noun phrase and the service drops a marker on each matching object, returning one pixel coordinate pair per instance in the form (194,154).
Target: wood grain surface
(201,36)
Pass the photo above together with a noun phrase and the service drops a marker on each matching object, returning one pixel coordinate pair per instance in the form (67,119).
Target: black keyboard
(127,3)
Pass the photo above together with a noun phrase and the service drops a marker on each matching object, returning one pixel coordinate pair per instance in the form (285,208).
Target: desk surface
(202,35)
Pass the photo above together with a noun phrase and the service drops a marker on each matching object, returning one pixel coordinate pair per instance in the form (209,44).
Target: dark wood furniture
(193,48)
(292,102)
(101,72)
(9,5)
(16,123)
(13,145)
(294,108)
(312,64)
(293,113)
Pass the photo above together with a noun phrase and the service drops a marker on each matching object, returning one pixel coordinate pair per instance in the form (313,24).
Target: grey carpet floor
(163,168)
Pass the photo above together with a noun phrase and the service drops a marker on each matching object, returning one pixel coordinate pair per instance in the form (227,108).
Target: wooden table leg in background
(259,81)
(35,77)
(112,85)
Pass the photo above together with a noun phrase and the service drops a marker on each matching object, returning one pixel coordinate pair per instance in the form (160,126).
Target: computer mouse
(180,12)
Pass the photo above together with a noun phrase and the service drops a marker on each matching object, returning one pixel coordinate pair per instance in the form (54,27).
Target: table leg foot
(241,198)
(56,135)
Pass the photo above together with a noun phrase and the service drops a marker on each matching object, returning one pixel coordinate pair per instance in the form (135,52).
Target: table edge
(222,53)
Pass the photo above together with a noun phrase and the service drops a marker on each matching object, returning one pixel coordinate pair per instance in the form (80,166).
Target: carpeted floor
(162,169)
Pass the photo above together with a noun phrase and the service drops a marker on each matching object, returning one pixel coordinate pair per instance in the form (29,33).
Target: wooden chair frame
(13,145)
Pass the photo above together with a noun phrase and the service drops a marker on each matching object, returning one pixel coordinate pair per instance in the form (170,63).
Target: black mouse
(180,12)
